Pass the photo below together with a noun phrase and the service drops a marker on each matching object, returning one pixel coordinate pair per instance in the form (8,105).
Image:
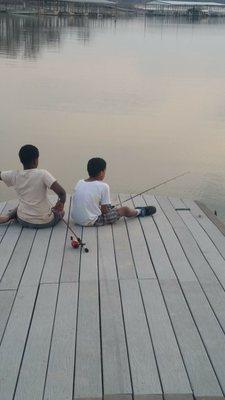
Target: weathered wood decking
(141,316)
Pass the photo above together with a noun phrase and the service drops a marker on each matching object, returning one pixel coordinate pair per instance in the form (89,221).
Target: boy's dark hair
(28,153)
(95,165)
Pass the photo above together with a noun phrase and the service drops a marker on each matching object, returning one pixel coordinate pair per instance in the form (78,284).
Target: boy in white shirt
(31,184)
(91,205)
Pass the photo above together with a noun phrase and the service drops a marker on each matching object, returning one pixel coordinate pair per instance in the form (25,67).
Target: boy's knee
(126,211)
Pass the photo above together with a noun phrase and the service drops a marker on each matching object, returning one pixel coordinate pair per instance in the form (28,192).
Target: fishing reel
(76,243)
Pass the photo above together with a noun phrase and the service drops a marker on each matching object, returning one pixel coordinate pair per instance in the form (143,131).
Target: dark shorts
(108,218)
(53,222)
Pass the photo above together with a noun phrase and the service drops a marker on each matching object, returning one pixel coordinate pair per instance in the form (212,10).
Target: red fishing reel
(76,243)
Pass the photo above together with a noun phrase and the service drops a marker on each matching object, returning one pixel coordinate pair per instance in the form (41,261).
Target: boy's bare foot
(4,219)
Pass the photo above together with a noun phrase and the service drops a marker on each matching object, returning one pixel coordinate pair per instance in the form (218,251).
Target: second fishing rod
(153,187)
(79,243)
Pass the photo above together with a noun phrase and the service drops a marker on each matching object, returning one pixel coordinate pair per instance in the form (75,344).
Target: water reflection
(25,36)
(144,93)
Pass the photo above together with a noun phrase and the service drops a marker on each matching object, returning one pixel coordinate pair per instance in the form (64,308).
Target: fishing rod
(154,187)
(78,242)
(75,243)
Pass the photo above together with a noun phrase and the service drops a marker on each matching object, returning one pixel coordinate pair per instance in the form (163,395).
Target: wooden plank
(206,277)
(202,376)
(17,263)
(211,332)
(117,383)
(59,382)
(31,380)
(124,260)
(195,357)
(2,206)
(142,260)
(7,246)
(210,228)
(202,308)
(190,247)
(6,301)
(107,265)
(12,346)
(142,361)
(4,227)
(177,203)
(170,211)
(34,267)
(156,247)
(175,379)
(54,259)
(88,369)
(71,259)
(173,247)
(89,266)
(207,247)
(211,216)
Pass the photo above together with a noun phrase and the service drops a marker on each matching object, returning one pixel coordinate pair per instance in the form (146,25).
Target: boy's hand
(58,208)
(104,208)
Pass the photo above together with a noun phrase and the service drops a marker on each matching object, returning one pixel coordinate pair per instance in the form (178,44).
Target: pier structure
(184,8)
(139,317)
(59,7)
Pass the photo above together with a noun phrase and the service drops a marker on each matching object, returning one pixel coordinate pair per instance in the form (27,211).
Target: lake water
(148,95)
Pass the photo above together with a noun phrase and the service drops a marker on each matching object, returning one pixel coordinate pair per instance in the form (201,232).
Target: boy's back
(87,198)
(31,186)
(91,199)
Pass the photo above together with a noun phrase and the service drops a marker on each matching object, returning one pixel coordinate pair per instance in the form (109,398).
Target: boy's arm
(58,189)
(8,177)
(105,200)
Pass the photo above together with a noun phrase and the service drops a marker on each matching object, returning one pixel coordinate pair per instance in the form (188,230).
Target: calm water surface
(146,94)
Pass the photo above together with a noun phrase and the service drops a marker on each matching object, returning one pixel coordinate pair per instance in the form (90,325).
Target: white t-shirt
(31,187)
(86,201)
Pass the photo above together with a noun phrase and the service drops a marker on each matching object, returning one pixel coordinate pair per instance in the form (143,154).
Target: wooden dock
(141,316)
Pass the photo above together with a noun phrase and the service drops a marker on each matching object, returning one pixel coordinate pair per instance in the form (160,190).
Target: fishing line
(154,187)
